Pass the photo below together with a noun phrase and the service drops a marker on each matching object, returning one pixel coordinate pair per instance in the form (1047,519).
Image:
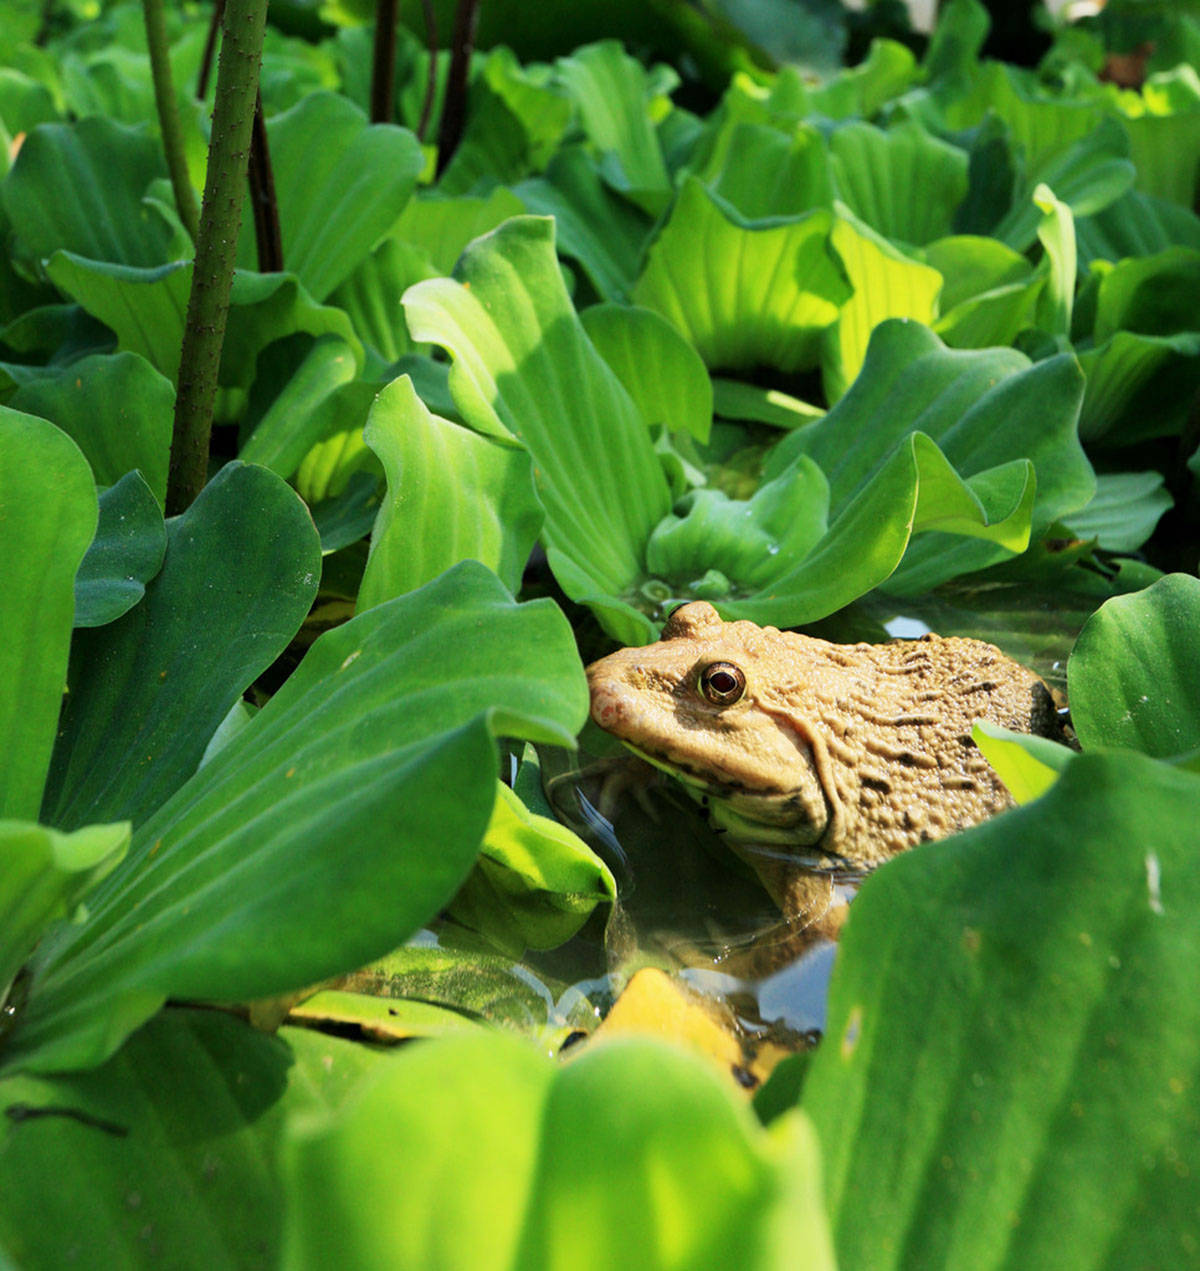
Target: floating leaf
(146,308)
(744,294)
(535,882)
(659,368)
(146,693)
(707,1187)
(79,186)
(338,199)
(452,495)
(194,1104)
(524,367)
(361,789)
(601,231)
(1134,674)
(48,516)
(887,284)
(125,554)
(318,398)
(1007,1037)
(905,184)
(1123,512)
(43,875)
(1027,765)
(610,90)
(116,407)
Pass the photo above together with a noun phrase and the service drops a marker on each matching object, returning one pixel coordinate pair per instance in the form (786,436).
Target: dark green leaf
(78,187)
(116,407)
(125,554)
(147,692)
(1048,1014)
(1134,675)
(343,816)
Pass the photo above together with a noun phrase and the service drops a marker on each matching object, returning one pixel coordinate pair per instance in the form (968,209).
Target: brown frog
(851,753)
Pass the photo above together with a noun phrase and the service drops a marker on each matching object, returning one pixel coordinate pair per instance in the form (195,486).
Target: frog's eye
(722,683)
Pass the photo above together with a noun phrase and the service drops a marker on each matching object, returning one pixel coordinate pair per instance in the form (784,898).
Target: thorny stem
(267,237)
(168,115)
(383,66)
(216,245)
(454,112)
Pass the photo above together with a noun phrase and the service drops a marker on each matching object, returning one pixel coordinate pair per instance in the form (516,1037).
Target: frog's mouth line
(719,800)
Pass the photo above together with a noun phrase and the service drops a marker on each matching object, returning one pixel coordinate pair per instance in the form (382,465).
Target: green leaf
(146,693)
(1049,1013)
(452,495)
(991,292)
(887,284)
(1057,236)
(308,408)
(337,199)
(703,1185)
(734,400)
(745,294)
(125,554)
(612,93)
(48,516)
(1152,295)
(1166,152)
(43,875)
(905,184)
(1123,512)
(524,367)
(442,227)
(361,789)
(193,1105)
(1027,765)
(146,308)
(535,882)
(370,296)
(116,408)
(915,489)
(78,187)
(742,540)
(1088,176)
(1138,386)
(660,370)
(763,172)
(1136,225)
(598,229)
(1134,674)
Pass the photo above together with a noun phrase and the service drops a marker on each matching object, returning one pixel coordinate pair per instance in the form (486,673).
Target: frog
(813,757)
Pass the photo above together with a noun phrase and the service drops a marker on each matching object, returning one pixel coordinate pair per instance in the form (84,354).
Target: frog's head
(702,705)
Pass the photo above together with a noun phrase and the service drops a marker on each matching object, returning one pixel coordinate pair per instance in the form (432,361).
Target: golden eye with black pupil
(722,683)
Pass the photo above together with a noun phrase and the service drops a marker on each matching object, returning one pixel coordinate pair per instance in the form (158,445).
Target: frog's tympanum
(804,747)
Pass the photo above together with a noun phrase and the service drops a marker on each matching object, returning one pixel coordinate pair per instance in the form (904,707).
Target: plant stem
(431,78)
(168,115)
(454,112)
(216,248)
(210,47)
(383,66)
(267,237)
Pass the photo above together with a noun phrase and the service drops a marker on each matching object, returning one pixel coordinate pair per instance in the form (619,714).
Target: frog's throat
(748,816)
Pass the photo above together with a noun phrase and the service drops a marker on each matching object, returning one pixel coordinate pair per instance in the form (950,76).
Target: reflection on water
(689,905)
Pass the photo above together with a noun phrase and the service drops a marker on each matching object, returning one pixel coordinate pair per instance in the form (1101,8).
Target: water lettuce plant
(912,336)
